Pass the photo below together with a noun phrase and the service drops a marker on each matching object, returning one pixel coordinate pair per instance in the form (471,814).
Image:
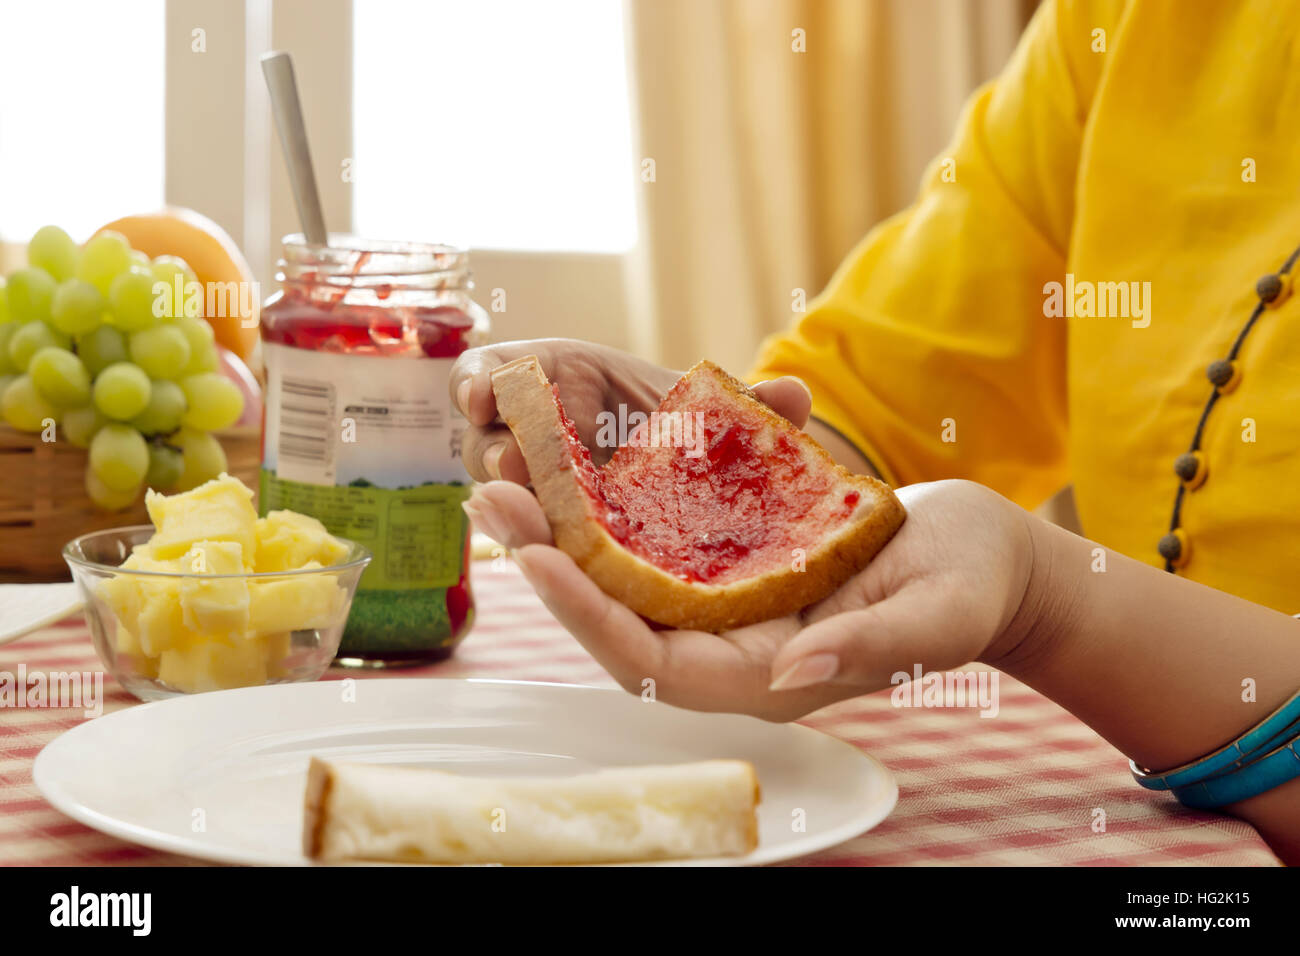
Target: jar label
(370,445)
(361,420)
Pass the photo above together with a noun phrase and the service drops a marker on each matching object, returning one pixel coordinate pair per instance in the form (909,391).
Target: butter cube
(277,648)
(294,603)
(161,623)
(145,605)
(287,540)
(130,653)
(218,510)
(211,664)
(218,606)
(122,595)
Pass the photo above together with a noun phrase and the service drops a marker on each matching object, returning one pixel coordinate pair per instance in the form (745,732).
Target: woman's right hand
(591,379)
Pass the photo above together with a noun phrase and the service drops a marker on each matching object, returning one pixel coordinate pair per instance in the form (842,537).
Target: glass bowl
(165,633)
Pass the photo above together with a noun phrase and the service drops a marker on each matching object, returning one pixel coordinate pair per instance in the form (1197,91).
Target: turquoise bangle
(1272,770)
(1261,740)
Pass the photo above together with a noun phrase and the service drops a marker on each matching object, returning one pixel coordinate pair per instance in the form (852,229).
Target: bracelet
(854,445)
(1272,770)
(1258,743)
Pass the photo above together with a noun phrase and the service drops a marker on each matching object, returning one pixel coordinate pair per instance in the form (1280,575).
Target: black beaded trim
(1267,288)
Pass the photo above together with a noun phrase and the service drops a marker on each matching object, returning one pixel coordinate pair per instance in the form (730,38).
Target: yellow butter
(209,630)
(218,606)
(287,541)
(213,664)
(128,648)
(218,510)
(276,648)
(294,603)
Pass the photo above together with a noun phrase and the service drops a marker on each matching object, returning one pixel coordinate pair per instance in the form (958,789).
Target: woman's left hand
(955,584)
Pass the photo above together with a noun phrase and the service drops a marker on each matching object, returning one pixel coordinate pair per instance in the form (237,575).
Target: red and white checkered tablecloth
(1021,788)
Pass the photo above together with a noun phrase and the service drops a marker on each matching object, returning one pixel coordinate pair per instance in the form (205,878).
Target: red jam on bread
(715,513)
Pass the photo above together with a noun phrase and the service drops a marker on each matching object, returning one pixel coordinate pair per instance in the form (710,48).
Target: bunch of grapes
(127,374)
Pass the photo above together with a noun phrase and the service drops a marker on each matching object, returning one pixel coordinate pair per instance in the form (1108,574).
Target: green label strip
(417,535)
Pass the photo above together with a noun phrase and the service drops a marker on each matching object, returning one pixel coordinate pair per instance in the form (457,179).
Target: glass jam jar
(360,431)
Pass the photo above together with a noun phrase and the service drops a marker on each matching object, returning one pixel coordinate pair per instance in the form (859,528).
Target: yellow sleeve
(929,349)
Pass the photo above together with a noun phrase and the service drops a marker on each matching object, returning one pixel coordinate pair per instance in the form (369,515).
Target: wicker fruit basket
(43,502)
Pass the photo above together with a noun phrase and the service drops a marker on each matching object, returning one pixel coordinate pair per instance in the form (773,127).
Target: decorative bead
(1273,290)
(1224,374)
(1219,371)
(1175,548)
(1269,287)
(1190,469)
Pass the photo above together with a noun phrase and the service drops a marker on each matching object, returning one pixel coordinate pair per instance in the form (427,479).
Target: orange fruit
(214,257)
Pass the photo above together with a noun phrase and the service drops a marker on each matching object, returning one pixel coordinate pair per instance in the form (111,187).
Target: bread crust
(320,781)
(525,402)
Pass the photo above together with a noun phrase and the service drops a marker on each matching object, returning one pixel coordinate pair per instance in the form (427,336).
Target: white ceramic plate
(28,607)
(236,760)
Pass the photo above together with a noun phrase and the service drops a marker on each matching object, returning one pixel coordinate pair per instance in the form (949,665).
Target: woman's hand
(955,584)
(592,379)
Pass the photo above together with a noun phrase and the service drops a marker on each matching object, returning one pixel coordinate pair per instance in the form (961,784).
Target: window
(81,113)
(499,124)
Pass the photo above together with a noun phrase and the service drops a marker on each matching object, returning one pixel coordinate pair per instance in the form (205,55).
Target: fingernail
(462,395)
(482,520)
(492,459)
(815,669)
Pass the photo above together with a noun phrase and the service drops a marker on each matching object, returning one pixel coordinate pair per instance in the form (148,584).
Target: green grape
(138,258)
(204,360)
(30,292)
(6,380)
(5,315)
(101,348)
(122,391)
(165,467)
(109,499)
(53,250)
(23,406)
(29,338)
(203,349)
(202,456)
(215,402)
(167,269)
(78,307)
(7,366)
(119,456)
(163,413)
(103,258)
(60,377)
(81,424)
(131,299)
(162,351)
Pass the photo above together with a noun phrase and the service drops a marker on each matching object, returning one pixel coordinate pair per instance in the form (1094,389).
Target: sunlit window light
(81,113)
(499,123)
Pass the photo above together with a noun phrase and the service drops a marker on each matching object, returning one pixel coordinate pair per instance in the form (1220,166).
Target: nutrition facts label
(413,523)
(416,534)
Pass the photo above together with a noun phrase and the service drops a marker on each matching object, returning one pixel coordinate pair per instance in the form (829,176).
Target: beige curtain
(768,163)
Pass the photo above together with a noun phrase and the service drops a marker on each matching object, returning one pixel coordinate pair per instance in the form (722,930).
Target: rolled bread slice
(629,814)
(715,513)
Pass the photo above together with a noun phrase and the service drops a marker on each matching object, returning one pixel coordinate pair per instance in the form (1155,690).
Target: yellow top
(1153,143)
